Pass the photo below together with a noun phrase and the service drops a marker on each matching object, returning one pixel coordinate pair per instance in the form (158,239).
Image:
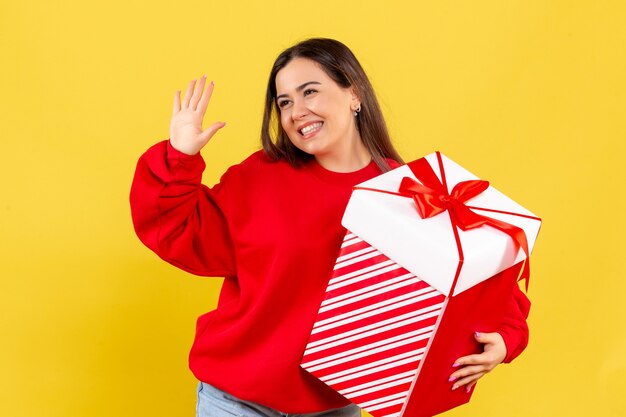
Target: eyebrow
(300,88)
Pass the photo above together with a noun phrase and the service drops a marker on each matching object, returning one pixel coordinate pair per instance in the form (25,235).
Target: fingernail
(212,83)
(456,365)
(452,378)
(477,334)
(468,389)
(454,387)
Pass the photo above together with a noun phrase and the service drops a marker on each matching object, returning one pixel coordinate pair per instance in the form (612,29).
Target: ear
(355,102)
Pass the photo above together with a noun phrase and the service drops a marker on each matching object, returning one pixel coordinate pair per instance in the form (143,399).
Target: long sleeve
(514,329)
(176,216)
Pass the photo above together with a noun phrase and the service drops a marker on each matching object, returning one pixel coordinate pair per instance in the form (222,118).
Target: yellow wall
(530,95)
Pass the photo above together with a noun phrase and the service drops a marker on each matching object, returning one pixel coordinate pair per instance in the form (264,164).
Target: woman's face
(315,112)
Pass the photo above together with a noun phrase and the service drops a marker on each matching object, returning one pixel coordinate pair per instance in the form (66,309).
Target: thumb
(208,133)
(481,337)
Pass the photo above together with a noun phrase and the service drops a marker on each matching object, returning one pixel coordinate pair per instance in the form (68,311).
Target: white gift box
(427,247)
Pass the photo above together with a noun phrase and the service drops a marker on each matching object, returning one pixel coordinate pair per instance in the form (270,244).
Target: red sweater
(273,231)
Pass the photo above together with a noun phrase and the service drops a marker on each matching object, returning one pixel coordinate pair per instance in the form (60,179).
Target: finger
(467,380)
(206,96)
(469,386)
(211,130)
(487,360)
(176,108)
(188,94)
(477,358)
(197,93)
(468,370)
(486,337)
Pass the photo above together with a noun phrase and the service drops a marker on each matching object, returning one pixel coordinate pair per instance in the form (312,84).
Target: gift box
(431,255)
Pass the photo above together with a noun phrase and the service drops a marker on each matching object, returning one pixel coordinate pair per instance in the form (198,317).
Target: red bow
(433,201)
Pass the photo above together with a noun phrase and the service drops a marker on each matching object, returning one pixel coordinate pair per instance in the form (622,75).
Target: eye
(309,91)
(282,103)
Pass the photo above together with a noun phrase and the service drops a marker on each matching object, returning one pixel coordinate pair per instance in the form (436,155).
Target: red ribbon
(431,198)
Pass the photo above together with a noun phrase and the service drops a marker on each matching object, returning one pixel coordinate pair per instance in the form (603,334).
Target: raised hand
(186,134)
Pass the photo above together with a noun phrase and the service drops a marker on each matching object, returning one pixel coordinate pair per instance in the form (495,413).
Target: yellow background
(527,94)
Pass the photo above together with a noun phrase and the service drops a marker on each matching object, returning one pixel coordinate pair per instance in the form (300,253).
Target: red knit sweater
(273,231)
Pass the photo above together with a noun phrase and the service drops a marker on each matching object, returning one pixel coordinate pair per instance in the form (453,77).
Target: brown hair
(341,65)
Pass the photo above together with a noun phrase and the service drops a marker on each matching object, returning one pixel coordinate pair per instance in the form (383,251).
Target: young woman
(271,227)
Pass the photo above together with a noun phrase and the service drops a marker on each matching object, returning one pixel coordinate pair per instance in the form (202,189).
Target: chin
(311,150)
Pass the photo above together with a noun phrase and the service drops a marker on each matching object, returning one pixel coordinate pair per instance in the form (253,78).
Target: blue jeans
(213,402)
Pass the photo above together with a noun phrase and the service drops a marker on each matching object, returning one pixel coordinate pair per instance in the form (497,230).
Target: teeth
(308,129)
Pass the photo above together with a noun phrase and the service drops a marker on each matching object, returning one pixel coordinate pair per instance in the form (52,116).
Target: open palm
(186,134)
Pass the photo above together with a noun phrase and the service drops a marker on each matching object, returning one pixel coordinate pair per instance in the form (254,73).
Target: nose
(299,110)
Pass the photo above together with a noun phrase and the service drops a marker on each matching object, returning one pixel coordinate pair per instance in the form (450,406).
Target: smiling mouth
(311,128)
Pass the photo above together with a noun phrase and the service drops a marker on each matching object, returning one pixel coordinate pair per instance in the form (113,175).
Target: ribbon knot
(431,199)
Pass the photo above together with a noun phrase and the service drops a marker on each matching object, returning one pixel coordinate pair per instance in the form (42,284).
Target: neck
(353,157)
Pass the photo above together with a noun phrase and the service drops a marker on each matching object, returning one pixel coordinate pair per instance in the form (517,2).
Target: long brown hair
(338,61)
